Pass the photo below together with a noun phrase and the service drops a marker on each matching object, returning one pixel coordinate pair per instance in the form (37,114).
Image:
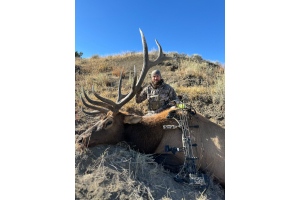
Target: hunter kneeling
(160,95)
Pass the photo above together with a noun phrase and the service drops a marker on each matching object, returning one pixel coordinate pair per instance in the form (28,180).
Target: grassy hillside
(200,82)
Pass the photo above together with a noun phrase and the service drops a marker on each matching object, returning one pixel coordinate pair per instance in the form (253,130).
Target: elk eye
(108,123)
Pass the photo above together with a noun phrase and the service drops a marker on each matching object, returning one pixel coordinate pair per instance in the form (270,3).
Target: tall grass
(117,71)
(211,78)
(219,90)
(193,91)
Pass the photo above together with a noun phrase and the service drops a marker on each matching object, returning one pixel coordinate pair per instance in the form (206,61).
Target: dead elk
(146,134)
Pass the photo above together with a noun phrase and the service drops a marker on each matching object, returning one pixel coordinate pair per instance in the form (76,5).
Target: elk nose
(80,139)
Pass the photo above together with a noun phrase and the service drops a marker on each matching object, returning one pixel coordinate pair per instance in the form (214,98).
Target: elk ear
(132,119)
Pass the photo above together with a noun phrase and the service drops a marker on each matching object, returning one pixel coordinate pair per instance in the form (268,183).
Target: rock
(207,115)
(219,118)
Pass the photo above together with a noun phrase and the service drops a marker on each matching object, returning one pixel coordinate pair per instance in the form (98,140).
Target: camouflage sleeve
(173,96)
(141,96)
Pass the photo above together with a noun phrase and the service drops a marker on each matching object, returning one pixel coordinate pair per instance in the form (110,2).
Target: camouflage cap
(155,72)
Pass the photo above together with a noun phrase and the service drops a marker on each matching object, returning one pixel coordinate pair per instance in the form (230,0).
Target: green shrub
(78,55)
(95,56)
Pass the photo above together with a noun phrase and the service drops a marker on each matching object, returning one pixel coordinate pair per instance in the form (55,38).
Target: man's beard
(157,84)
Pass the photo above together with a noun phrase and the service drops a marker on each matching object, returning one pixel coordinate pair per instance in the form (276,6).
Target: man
(160,95)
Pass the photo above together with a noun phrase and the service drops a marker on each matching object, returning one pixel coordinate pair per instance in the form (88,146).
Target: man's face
(155,78)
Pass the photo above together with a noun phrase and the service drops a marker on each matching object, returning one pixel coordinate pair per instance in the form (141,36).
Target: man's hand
(172,103)
(139,91)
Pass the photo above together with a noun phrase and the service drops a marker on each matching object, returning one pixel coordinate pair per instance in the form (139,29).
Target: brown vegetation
(117,71)
(117,172)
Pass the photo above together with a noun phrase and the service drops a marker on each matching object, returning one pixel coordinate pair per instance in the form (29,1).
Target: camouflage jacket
(158,98)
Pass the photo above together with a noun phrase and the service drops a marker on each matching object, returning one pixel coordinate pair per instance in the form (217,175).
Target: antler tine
(131,94)
(161,57)
(103,110)
(97,103)
(120,96)
(103,99)
(120,86)
(134,79)
(147,63)
(90,113)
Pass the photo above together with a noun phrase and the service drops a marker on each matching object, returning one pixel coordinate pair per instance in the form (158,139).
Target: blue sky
(112,27)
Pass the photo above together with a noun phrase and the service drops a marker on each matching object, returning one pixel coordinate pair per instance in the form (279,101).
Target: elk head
(110,129)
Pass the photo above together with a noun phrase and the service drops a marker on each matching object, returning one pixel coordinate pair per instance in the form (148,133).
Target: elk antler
(147,63)
(136,85)
(120,96)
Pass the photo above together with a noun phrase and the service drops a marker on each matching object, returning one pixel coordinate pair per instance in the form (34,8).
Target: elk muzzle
(82,140)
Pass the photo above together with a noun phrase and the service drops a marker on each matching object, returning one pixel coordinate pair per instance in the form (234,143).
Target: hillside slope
(200,82)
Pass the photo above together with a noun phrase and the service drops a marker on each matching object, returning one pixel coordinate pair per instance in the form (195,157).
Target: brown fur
(148,136)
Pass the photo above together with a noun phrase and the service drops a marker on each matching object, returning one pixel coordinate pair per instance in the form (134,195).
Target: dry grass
(197,69)
(212,79)
(117,71)
(218,92)
(117,172)
(193,91)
